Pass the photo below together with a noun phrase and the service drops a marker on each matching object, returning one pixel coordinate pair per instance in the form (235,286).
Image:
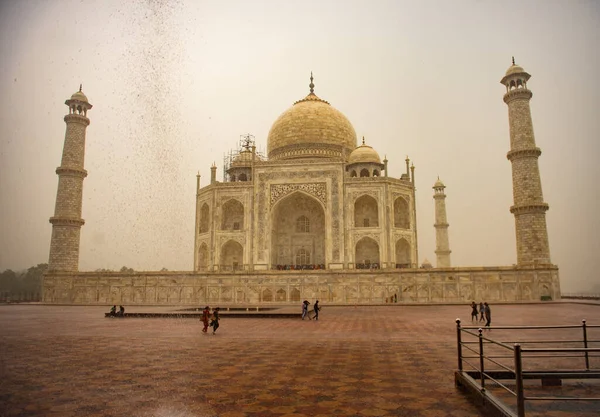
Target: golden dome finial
(311,85)
(363,140)
(513,60)
(80,87)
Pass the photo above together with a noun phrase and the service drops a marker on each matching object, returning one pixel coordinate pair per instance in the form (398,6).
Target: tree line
(27,285)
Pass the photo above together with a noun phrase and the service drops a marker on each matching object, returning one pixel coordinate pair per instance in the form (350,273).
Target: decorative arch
(366,253)
(353,173)
(233,215)
(403,254)
(366,212)
(287,238)
(364,172)
(267,295)
(401,213)
(281,295)
(242,177)
(232,255)
(233,178)
(204,218)
(375,173)
(203,257)
(295,295)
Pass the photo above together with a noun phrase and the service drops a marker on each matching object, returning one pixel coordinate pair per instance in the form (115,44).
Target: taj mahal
(315,217)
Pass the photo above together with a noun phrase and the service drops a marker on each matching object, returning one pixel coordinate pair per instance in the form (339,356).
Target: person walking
(205,318)
(488,315)
(215,320)
(305,304)
(473,311)
(317,309)
(481,311)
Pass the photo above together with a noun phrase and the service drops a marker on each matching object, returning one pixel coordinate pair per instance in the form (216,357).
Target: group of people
(484,311)
(316,309)
(210,320)
(113,311)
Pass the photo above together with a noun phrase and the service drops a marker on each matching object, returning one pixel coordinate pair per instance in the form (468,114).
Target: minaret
(442,243)
(67,221)
(529,207)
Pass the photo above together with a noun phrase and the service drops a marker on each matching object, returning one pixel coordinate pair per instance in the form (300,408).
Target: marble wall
(451,285)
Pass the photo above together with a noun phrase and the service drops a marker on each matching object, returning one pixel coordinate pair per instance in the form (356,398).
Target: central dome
(311,128)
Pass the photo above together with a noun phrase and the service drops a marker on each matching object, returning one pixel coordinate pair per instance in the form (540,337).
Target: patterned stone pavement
(356,361)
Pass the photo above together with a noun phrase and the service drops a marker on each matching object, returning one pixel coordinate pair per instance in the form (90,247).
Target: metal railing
(482,359)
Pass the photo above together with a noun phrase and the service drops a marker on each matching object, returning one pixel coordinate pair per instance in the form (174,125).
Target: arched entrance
(232,256)
(366,212)
(402,254)
(298,233)
(367,254)
(233,215)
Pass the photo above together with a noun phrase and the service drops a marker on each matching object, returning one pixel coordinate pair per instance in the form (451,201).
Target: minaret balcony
(523,153)
(530,208)
(517,94)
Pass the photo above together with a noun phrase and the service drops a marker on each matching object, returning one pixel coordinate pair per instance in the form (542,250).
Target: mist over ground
(175,83)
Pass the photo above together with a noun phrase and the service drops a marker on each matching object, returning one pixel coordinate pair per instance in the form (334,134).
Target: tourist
(205,318)
(473,311)
(305,304)
(121,311)
(215,319)
(488,315)
(481,311)
(317,308)
(113,311)
(395,298)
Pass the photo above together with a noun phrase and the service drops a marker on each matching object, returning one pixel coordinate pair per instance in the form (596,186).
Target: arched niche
(267,295)
(243,177)
(364,172)
(403,254)
(233,215)
(353,173)
(366,212)
(366,253)
(281,295)
(401,213)
(232,256)
(287,238)
(202,257)
(204,219)
(295,295)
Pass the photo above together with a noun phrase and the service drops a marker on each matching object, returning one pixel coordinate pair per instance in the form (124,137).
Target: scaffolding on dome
(246,142)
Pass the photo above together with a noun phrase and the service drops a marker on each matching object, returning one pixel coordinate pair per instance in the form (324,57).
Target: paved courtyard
(356,361)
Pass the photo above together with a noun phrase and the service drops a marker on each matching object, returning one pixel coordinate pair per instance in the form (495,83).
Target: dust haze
(175,83)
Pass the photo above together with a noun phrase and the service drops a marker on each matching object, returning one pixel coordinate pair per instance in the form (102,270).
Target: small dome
(244,158)
(514,69)
(79,96)
(364,154)
(439,184)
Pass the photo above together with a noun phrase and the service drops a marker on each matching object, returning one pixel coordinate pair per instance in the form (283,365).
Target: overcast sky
(175,83)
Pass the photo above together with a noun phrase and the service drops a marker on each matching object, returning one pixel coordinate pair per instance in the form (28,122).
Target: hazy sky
(175,83)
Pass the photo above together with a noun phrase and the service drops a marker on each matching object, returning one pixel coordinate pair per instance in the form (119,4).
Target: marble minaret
(529,207)
(442,242)
(67,221)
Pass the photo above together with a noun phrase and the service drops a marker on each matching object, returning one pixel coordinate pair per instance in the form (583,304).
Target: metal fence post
(585,345)
(519,381)
(459,345)
(481,370)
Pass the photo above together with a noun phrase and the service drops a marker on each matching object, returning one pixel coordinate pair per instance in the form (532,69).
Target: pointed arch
(353,173)
(267,295)
(281,295)
(366,253)
(298,222)
(243,177)
(401,213)
(232,256)
(204,219)
(295,295)
(403,254)
(233,215)
(366,212)
(364,172)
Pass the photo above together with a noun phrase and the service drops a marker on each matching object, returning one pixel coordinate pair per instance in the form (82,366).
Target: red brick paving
(356,361)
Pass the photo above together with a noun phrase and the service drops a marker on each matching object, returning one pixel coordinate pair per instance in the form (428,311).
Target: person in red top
(205,317)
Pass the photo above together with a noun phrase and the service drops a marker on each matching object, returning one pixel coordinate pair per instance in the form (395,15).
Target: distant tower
(442,243)
(67,221)
(529,207)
